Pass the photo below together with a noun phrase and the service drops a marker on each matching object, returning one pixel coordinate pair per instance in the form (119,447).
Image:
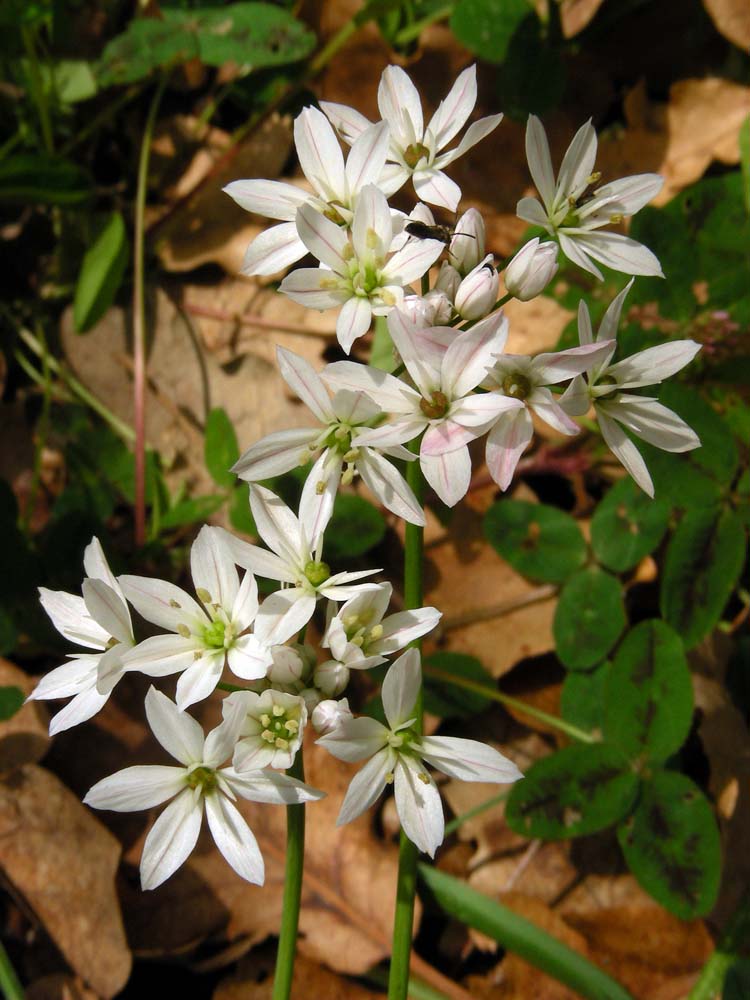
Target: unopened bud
(448,280)
(329,714)
(289,668)
(477,293)
(531,270)
(331,678)
(467,246)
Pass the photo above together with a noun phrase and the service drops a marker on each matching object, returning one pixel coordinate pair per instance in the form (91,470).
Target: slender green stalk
(38,95)
(458,821)
(412,31)
(139,318)
(417,989)
(119,426)
(406,886)
(505,699)
(295,851)
(10,987)
(733,939)
(94,123)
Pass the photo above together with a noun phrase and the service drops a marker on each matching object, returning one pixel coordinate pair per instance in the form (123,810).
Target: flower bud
(477,293)
(291,667)
(467,246)
(312,698)
(432,309)
(531,270)
(328,715)
(448,280)
(331,678)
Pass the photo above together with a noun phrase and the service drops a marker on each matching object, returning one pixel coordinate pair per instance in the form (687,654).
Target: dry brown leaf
(59,987)
(63,862)
(576,14)
(732,19)
(23,737)
(546,874)
(254,981)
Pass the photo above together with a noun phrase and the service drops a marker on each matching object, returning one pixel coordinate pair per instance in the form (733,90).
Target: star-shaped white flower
(417,151)
(526,379)
(342,418)
(577,221)
(397,754)
(445,367)
(295,559)
(359,635)
(644,416)
(203,637)
(100,621)
(272,728)
(198,784)
(360,275)
(336,187)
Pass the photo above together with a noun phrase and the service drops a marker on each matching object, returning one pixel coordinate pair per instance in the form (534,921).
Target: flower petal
(179,734)
(578,163)
(171,839)
(532,211)
(213,568)
(269,787)
(390,393)
(412,262)
(350,124)
(71,618)
(136,788)
(397,98)
(161,602)
(200,679)
(540,162)
(161,655)
(108,609)
(474,134)
(277,525)
(355,739)
(353,321)
(234,838)
(275,454)
(282,615)
(654,364)
(272,199)
(320,155)
(404,627)
(506,442)
(454,110)
(558,366)
(323,238)
(436,188)
(418,805)
(82,708)
(449,475)
(303,380)
(468,760)
(389,486)
(367,157)
(614,250)
(306,285)
(401,688)
(650,420)
(366,786)
(630,194)
(275,249)
(472,354)
(621,445)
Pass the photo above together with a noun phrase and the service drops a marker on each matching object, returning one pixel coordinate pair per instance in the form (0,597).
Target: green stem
(412,31)
(37,88)
(100,119)
(406,886)
(295,851)
(458,821)
(733,938)
(139,319)
(10,987)
(505,699)
(119,426)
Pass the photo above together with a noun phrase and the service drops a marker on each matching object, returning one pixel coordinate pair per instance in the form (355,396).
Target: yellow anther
(595,177)
(183,630)
(616,218)
(265,720)
(173,603)
(278,711)
(268,736)
(347,253)
(372,239)
(320,487)
(389,299)
(389,778)
(292,726)
(203,595)
(376,632)
(281,744)
(424,778)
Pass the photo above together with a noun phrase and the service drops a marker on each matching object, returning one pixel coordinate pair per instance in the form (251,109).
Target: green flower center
(358,632)
(607,380)
(317,573)
(332,213)
(280,728)
(414,153)
(436,406)
(203,778)
(215,635)
(516,385)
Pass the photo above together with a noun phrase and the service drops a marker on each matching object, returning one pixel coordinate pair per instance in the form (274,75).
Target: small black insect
(421,231)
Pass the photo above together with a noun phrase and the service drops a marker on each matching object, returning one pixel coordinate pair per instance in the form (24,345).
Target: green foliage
(737,981)
(744,143)
(533,77)
(582,698)
(588,619)
(355,528)
(191,510)
(520,936)
(11,701)
(487,26)
(101,272)
(36,178)
(220,447)
(240,515)
(541,542)
(704,560)
(576,791)
(648,693)
(671,845)
(627,525)
(253,35)
(700,477)
(445,699)
(381,354)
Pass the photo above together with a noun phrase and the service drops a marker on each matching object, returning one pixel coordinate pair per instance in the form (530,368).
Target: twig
(525,860)
(250,319)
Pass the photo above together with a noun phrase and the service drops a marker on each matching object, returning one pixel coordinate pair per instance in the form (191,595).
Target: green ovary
(317,573)
(215,635)
(279,728)
(203,778)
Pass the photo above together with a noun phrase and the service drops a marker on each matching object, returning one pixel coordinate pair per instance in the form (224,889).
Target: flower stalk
(406,886)
(295,851)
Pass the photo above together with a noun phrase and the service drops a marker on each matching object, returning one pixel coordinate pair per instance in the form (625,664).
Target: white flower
(526,379)
(360,636)
(414,149)
(99,620)
(341,418)
(445,367)
(531,270)
(360,274)
(197,784)
(329,714)
(644,416)
(295,560)
(397,754)
(272,728)
(477,293)
(204,638)
(336,188)
(577,221)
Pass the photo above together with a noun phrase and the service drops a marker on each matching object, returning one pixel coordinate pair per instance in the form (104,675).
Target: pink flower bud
(328,715)
(477,293)
(331,678)
(531,270)
(467,246)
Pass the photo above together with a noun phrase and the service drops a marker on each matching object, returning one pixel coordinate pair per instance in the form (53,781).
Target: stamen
(265,720)
(203,595)
(424,778)
(268,736)
(277,710)
(281,744)
(183,630)
(173,603)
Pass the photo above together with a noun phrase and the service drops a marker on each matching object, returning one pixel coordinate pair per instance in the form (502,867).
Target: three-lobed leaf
(648,704)
(577,791)
(671,845)
(589,618)
(355,528)
(627,525)
(582,697)
(540,542)
(486,27)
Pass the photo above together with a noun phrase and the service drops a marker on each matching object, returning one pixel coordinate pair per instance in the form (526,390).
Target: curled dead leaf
(732,19)
(23,737)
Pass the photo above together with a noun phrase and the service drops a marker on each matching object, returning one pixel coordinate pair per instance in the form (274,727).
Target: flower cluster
(452,384)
